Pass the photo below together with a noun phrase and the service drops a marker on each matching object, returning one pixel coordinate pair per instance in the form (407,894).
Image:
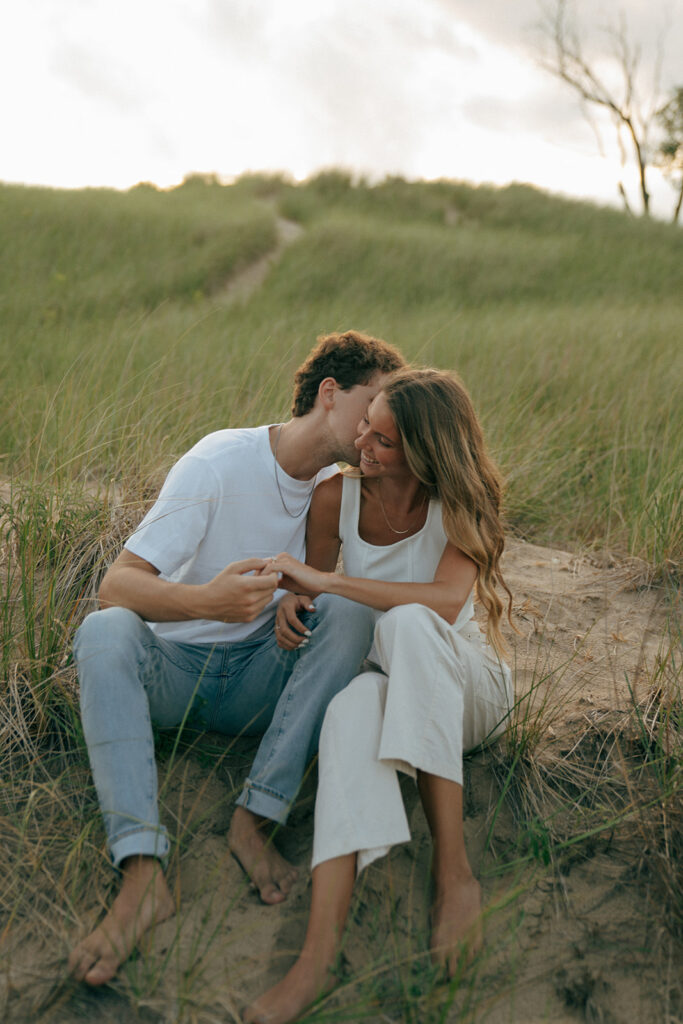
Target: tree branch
(631,107)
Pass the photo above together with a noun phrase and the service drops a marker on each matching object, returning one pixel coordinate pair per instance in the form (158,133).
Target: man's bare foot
(144,900)
(309,979)
(457,930)
(272,875)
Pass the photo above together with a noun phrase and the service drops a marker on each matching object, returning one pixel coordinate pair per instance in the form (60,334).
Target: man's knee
(342,633)
(106,632)
(347,618)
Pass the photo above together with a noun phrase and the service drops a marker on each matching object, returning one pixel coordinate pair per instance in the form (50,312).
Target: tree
(630,96)
(670,153)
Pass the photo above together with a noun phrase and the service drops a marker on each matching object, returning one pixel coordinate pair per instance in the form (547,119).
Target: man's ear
(327,392)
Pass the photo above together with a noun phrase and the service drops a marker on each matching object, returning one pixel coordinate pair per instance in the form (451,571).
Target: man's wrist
(192,600)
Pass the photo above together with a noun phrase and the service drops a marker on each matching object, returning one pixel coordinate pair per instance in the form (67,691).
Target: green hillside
(120,345)
(133,323)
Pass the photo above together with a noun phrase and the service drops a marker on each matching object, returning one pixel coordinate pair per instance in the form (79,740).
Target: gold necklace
(292,515)
(384,511)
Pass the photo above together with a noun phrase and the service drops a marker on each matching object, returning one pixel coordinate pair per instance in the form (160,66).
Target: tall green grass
(563,319)
(118,349)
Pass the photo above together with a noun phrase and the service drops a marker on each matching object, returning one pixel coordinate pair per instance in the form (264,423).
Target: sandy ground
(574,943)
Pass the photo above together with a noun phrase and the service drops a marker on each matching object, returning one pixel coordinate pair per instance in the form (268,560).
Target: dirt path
(240,287)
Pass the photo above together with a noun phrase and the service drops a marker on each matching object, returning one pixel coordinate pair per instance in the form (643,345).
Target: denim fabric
(131,678)
(341,635)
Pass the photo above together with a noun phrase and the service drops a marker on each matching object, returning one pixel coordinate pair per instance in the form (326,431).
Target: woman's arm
(322,525)
(322,552)
(453,580)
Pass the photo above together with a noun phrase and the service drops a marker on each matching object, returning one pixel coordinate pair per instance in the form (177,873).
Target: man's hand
(290,631)
(234,596)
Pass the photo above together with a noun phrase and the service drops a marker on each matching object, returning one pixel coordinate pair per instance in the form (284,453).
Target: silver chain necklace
(292,515)
(384,511)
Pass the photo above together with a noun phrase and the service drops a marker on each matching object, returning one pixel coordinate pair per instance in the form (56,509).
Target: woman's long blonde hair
(445,449)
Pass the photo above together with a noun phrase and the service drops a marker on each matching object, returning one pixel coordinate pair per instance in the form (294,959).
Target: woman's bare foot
(457,930)
(272,875)
(144,900)
(309,979)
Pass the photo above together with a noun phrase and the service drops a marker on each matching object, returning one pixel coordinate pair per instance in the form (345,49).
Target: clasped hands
(292,633)
(241,591)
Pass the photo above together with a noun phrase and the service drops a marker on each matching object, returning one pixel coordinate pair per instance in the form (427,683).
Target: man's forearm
(152,598)
(238,593)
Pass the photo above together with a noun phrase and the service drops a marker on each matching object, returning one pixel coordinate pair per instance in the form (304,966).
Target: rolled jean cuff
(142,842)
(264,802)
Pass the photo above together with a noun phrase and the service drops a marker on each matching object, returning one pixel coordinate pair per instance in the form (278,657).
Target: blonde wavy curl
(445,449)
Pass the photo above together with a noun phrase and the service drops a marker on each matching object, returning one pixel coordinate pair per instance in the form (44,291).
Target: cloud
(427,27)
(353,87)
(652,25)
(99,79)
(508,22)
(240,30)
(553,114)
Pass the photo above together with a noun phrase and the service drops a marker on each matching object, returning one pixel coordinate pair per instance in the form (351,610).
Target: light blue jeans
(131,678)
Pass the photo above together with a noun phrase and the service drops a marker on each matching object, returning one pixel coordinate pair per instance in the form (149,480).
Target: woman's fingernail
(303,643)
(307,632)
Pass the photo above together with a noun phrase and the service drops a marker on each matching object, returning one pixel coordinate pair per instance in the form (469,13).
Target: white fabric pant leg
(447,694)
(442,694)
(358,807)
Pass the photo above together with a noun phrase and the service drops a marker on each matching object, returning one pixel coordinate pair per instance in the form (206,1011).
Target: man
(186,634)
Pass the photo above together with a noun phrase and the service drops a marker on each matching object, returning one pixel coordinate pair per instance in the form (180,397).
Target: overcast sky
(96,92)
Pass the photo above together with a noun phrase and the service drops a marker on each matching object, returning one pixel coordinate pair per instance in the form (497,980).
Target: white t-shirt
(219,504)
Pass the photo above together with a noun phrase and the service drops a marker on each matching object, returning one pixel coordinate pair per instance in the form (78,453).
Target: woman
(420,529)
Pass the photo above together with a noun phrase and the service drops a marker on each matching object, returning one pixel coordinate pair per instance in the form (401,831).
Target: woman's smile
(364,457)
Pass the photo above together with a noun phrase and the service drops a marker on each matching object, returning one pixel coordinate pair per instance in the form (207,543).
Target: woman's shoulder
(328,490)
(323,515)
(327,496)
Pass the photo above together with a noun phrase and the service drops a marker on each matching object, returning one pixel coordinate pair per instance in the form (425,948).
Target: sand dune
(576,939)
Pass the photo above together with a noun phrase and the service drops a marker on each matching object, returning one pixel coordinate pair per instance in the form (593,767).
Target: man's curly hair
(351,358)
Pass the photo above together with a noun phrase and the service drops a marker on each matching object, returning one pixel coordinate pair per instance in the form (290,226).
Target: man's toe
(287,881)
(80,962)
(271,893)
(100,973)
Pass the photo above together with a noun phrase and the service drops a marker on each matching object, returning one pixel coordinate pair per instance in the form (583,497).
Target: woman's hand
(298,576)
(290,631)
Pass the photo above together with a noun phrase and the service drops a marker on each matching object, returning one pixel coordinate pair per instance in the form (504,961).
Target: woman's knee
(406,619)
(356,703)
